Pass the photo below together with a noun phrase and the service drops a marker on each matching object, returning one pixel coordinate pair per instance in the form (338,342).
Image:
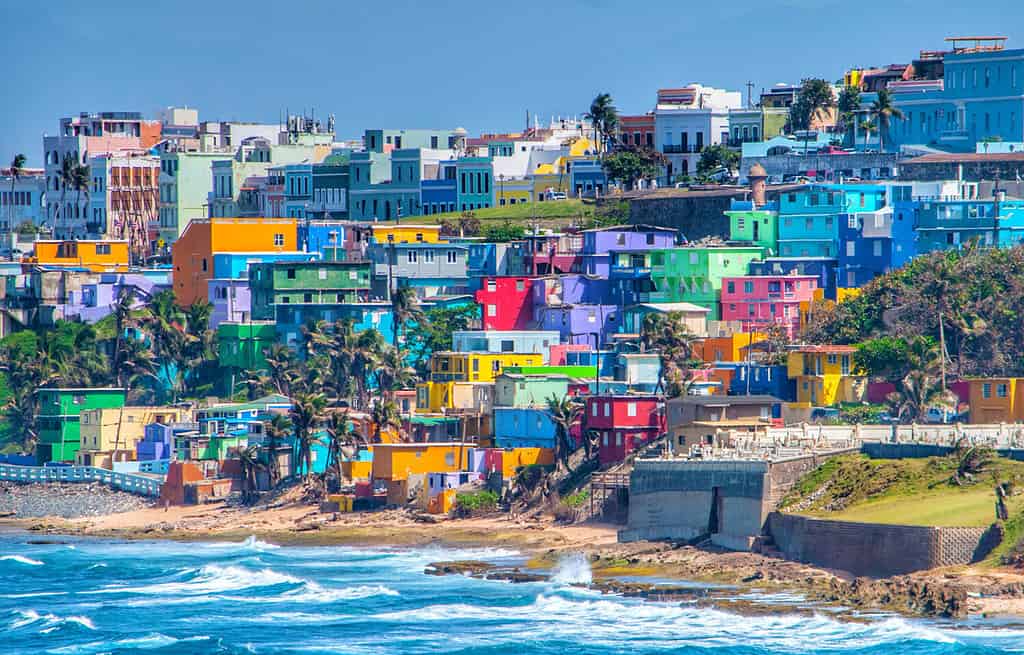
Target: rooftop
(723,401)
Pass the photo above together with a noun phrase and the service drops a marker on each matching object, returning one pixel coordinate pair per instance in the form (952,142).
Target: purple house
(231,300)
(158,440)
(584,323)
(599,241)
(97,298)
(567,290)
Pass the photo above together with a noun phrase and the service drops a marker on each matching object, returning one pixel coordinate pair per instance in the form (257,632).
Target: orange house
(96,256)
(192,254)
(727,349)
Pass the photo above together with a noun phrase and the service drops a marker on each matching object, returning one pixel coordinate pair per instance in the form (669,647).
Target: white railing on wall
(132,483)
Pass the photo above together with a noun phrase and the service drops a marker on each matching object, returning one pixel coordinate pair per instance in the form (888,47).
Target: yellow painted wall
(98,427)
(826,384)
(253,235)
(83,253)
(357,470)
(730,348)
(996,408)
(480,367)
(447,395)
(513,458)
(407,233)
(398,461)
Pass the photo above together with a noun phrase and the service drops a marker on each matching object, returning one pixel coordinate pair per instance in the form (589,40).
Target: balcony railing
(676,149)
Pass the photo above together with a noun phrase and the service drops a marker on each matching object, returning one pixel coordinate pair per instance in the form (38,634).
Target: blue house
(523,427)
(587,177)
(756,379)
(318,235)
(809,219)
(904,237)
(867,247)
(298,189)
(824,268)
(948,224)
(475,177)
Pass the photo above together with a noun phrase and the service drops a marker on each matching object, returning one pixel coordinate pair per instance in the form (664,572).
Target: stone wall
(873,549)
(970,171)
(797,165)
(877,450)
(696,215)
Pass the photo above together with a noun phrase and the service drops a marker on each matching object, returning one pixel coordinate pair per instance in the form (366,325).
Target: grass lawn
(562,210)
(904,492)
(947,507)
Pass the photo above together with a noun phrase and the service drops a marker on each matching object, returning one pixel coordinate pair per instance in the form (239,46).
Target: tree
(603,117)
(66,179)
(278,429)
(916,393)
(848,106)
(628,165)
(385,416)
(307,414)
(868,127)
(434,332)
(667,335)
(405,309)
(813,102)
(17,168)
(883,110)
(281,368)
(717,156)
(343,441)
(392,372)
(565,413)
(249,463)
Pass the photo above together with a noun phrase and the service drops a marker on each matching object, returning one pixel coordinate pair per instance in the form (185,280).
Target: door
(714,518)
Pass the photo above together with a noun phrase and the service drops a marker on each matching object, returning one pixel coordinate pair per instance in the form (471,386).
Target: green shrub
(578,499)
(476,501)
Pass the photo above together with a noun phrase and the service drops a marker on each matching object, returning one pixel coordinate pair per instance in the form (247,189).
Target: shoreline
(958,593)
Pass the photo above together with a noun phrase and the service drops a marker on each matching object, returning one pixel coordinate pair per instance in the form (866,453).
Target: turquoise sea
(98,596)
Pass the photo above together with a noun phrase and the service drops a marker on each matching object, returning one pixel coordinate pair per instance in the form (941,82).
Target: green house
(579,372)
(241,347)
(306,284)
(514,390)
(694,274)
(758,227)
(57,418)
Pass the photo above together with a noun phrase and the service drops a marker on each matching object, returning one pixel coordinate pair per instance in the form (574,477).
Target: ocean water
(98,596)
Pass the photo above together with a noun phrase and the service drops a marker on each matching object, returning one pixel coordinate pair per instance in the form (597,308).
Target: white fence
(132,483)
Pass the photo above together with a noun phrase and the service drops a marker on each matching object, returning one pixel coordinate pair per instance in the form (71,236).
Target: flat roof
(712,401)
(675,307)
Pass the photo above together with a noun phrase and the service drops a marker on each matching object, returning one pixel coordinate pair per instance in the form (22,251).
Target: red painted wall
(512,307)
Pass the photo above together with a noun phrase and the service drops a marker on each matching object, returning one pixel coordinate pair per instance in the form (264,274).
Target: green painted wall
(758,227)
(318,283)
(695,274)
(58,419)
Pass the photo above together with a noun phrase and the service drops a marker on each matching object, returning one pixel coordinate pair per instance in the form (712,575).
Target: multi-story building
(944,224)
(184,191)
(477,367)
(22,200)
(505,303)
(624,423)
(81,137)
(505,341)
(95,256)
(601,243)
(306,283)
(696,420)
(755,224)
(124,201)
(826,375)
(637,131)
(810,218)
(112,434)
(996,400)
(957,98)
(695,274)
(229,291)
(58,418)
(192,254)
(687,120)
(759,301)
(431,268)
(547,254)
(242,346)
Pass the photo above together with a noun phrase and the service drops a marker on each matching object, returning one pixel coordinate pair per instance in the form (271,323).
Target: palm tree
(868,127)
(281,368)
(883,110)
(385,416)
(392,372)
(314,337)
(916,393)
(603,117)
(80,183)
(342,441)
(565,412)
(667,335)
(17,168)
(306,415)
(404,309)
(277,429)
(249,462)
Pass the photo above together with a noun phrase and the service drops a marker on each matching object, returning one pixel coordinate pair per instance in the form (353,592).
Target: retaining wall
(136,484)
(873,549)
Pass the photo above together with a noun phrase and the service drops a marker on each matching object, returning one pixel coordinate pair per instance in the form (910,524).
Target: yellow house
(996,400)
(407,233)
(732,348)
(826,375)
(436,397)
(397,461)
(514,458)
(513,192)
(97,256)
(477,367)
(102,443)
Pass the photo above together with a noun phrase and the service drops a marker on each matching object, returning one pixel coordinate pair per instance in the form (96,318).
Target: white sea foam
(250,543)
(21,559)
(312,592)
(210,579)
(146,642)
(48,622)
(573,569)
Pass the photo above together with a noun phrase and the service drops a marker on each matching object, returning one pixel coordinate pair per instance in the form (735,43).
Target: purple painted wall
(576,323)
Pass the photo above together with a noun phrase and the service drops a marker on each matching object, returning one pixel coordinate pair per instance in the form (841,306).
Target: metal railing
(136,484)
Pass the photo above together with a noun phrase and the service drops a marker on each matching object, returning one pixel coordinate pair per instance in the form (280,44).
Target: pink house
(757,301)
(558,351)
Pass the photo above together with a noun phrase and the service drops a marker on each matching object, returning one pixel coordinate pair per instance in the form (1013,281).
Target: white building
(688,119)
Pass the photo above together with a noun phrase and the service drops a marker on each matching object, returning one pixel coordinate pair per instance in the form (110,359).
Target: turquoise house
(475,177)
(809,219)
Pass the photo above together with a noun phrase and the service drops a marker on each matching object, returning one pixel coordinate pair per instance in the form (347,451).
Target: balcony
(953,134)
(630,271)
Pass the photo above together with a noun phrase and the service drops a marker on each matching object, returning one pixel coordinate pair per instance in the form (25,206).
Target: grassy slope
(908,492)
(553,210)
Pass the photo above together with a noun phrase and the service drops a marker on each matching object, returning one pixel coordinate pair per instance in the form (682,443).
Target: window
(492,286)
(428,256)
(876,248)
(278,239)
(453,257)
(986,390)
(307,297)
(291,273)
(593,409)
(730,287)
(607,409)
(748,286)
(322,273)
(411,256)
(103,249)
(1001,390)
(832,359)
(508,346)
(353,275)
(631,409)
(339,297)
(520,285)
(492,310)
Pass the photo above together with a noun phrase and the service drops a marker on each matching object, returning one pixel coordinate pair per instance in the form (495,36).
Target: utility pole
(996,193)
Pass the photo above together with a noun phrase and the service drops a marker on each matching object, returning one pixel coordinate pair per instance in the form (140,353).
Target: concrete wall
(695,215)
(797,165)
(873,549)
(970,171)
(672,499)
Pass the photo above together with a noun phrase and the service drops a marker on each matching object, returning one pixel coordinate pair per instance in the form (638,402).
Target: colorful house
(546,254)
(826,375)
(438,397)
(95,256)
(949,224)
(192,254)
(731,348)
(516,390)
(600,242)
(759,301)
(59,418)
(506,303)
(697,420)
(591,324)
(624,423)
(694,274)
(524,427)
(505,341)
(757,226)
(694,316)
(112,434)
(996,400)
(477,367)
(242,347)
(430,268)
(810,218)
(397,461)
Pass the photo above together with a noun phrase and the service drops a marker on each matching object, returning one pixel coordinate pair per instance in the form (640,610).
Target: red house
(624,423)
(505,303)
(551,254)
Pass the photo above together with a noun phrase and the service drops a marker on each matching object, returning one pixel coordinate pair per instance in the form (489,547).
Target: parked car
(556,195)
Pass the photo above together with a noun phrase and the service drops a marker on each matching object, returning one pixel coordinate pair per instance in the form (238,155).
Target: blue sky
(477,64)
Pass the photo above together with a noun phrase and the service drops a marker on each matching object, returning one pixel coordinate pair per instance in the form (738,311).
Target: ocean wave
(21,559)
(146,642)
(573,569)
(48,622)
(313,592)
(210,579)
(250,543)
